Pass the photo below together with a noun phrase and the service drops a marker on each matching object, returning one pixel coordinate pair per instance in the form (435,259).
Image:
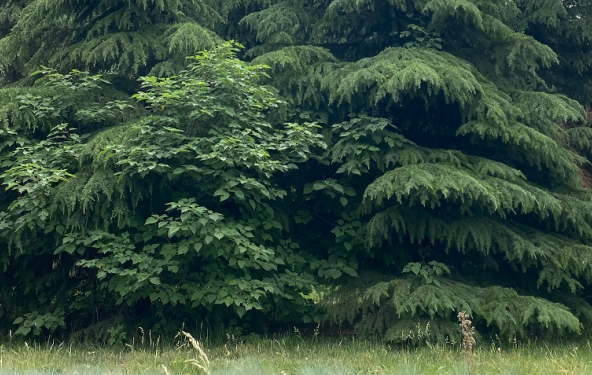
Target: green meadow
(292,355)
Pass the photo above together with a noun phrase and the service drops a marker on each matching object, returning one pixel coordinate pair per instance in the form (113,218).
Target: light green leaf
(151,220)
(173,230)
(318,186)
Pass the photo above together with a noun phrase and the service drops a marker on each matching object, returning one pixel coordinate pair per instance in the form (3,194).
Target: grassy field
(292,356)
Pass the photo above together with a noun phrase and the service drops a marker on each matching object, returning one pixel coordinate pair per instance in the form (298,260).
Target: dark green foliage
(566,27)
(456,175)
(173,205)
(401,307)
(474,158)
(122,37)
(10,12)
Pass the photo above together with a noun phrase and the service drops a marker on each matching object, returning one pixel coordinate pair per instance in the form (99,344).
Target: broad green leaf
(151,220)
(172,230)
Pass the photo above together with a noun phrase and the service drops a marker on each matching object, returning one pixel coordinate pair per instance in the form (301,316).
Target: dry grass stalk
(468,336)
(203,362)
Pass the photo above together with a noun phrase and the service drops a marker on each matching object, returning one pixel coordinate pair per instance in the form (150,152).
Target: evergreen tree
(566,27)
(456,173)
(10,12)
(125,38)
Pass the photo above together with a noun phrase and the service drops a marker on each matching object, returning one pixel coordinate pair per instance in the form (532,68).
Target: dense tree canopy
(126,38)
(452,172)
(474,162)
